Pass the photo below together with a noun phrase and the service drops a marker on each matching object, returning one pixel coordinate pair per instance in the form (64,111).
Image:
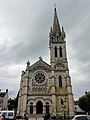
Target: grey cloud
(24,35)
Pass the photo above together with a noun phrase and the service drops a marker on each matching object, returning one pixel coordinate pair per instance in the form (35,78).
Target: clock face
(39,77)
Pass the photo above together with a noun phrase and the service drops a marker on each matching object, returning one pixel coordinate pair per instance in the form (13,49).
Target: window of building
(60,81)
(62,102)
(31,108)
(39,107)
(55,51)
(57,37)
(60,51)
(47,107)
(39,77)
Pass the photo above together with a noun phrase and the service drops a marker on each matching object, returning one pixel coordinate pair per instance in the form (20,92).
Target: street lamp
(64,112)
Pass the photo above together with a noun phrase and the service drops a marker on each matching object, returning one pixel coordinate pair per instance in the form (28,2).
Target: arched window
(47,107)
(39,108)
(55,51)
(31,108)
(60,51)
(60,81)
(57,37)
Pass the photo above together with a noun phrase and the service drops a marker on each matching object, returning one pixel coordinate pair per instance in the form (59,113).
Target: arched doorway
(39,108)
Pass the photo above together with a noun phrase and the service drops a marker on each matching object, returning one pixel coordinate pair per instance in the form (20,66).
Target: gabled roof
(40,65)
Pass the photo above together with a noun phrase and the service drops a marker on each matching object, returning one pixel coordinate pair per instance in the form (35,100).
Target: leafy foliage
(84,102)
(49,116)
(13,103)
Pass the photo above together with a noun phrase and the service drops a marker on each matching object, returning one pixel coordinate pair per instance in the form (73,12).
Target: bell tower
(61,80)
(57,42)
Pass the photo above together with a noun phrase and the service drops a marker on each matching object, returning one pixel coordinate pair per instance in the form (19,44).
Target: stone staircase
(35,117)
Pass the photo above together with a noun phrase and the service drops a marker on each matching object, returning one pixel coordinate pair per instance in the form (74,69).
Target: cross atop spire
(54,5)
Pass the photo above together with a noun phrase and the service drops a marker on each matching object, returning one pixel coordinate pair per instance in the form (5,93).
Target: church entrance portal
(39,108)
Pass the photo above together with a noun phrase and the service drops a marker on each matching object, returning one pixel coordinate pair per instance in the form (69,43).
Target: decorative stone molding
(39,89)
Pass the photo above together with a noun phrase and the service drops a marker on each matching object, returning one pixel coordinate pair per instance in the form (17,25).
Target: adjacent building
(46,88)
(4,100)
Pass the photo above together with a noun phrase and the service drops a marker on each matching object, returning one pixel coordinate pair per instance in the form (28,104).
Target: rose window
(39,78)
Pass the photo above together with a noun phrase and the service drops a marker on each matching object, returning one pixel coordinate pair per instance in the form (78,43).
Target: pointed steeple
(56,26)
(56,34)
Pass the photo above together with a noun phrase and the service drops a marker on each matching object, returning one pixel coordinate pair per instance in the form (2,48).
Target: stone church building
(46,88)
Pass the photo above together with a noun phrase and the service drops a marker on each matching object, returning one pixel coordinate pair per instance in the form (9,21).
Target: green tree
(84,102)
(47,116)
(13,103)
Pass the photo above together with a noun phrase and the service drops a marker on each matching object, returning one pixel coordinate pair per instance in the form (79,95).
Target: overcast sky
(24,35)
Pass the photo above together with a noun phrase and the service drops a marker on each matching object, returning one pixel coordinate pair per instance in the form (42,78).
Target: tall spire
(56,34)
(56,26)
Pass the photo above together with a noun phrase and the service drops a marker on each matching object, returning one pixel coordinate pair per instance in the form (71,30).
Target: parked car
(81,117)
(2,117)
(8,115)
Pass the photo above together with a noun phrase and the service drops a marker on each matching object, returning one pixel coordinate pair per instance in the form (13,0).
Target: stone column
(53,93)
(34,109)
(70,97)
(64,51)
(44,109)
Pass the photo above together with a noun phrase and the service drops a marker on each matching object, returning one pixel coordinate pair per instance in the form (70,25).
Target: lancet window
(31,108)
(55,51)
(60,81)
(60,51)
(47,107)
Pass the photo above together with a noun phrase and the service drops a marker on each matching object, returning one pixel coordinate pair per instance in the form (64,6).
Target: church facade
(47,88)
